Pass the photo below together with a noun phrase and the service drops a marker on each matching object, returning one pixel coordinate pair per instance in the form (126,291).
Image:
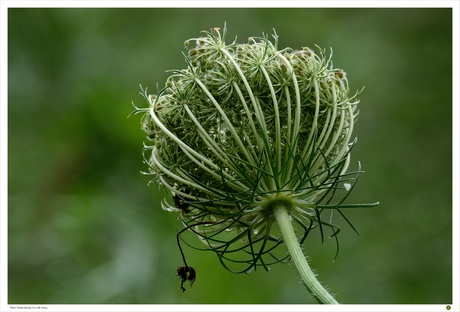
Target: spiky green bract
(244,126)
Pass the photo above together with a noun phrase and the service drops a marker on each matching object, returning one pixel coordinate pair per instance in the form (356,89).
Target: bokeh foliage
(85,228)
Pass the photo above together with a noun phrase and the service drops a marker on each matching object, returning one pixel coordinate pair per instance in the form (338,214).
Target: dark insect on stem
(186,273)
(180,202)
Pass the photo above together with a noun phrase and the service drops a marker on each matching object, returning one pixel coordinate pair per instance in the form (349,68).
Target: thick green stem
(308,277)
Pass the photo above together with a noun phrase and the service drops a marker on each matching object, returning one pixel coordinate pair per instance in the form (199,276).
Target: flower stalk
(314,287)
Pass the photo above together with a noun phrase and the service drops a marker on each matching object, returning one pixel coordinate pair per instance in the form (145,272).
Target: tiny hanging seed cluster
(241,126)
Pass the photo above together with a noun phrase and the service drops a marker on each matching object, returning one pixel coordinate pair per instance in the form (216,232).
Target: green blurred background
(84,227)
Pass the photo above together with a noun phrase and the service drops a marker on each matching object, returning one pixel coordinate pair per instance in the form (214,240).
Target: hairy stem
(308,277)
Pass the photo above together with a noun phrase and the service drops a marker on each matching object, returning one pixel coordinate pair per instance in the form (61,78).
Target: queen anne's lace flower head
(245,125)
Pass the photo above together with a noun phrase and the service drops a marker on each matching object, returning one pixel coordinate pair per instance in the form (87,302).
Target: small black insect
(186,273)
(180,203)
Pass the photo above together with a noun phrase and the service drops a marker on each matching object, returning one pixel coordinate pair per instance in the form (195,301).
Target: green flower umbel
(253,143)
